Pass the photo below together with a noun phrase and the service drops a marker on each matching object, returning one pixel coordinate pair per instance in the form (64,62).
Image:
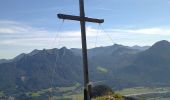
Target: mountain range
(117,65)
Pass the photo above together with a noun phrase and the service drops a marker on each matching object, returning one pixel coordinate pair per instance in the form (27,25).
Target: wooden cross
(83,19)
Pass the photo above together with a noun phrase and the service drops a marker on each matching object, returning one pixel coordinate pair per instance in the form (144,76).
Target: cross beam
(83,19)
(78,18)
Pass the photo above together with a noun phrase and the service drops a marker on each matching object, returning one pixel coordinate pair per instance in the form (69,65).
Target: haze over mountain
(151,66)
(119,66)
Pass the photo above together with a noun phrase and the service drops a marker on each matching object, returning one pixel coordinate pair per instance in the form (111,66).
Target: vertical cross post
(84,51)
(83,19)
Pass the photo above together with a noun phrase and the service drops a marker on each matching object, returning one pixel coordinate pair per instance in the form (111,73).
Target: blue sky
(26,25)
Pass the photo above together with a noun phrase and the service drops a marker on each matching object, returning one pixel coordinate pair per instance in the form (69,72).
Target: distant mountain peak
(35,51)
(117,45)
(161,44)
(161,47)
(19,57)
(63,48)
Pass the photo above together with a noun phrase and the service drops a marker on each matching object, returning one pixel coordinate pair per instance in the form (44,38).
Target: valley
(57,73)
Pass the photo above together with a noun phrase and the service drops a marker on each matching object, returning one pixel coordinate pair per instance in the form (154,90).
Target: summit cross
(83,19)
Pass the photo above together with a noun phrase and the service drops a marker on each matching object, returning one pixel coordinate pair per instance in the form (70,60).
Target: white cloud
(7,22)
(23,35)
(26,42)
(11,27)
(145,31)
(11,30)
(148,31)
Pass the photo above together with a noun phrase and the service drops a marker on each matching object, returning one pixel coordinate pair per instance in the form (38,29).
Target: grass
(158,99)
(66,89)
(39,93)
(67,92)
(137,90)
(73,97)
(1,93)
(115,96)
(35,94)
(74,93)
(80,97)
(102,69)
